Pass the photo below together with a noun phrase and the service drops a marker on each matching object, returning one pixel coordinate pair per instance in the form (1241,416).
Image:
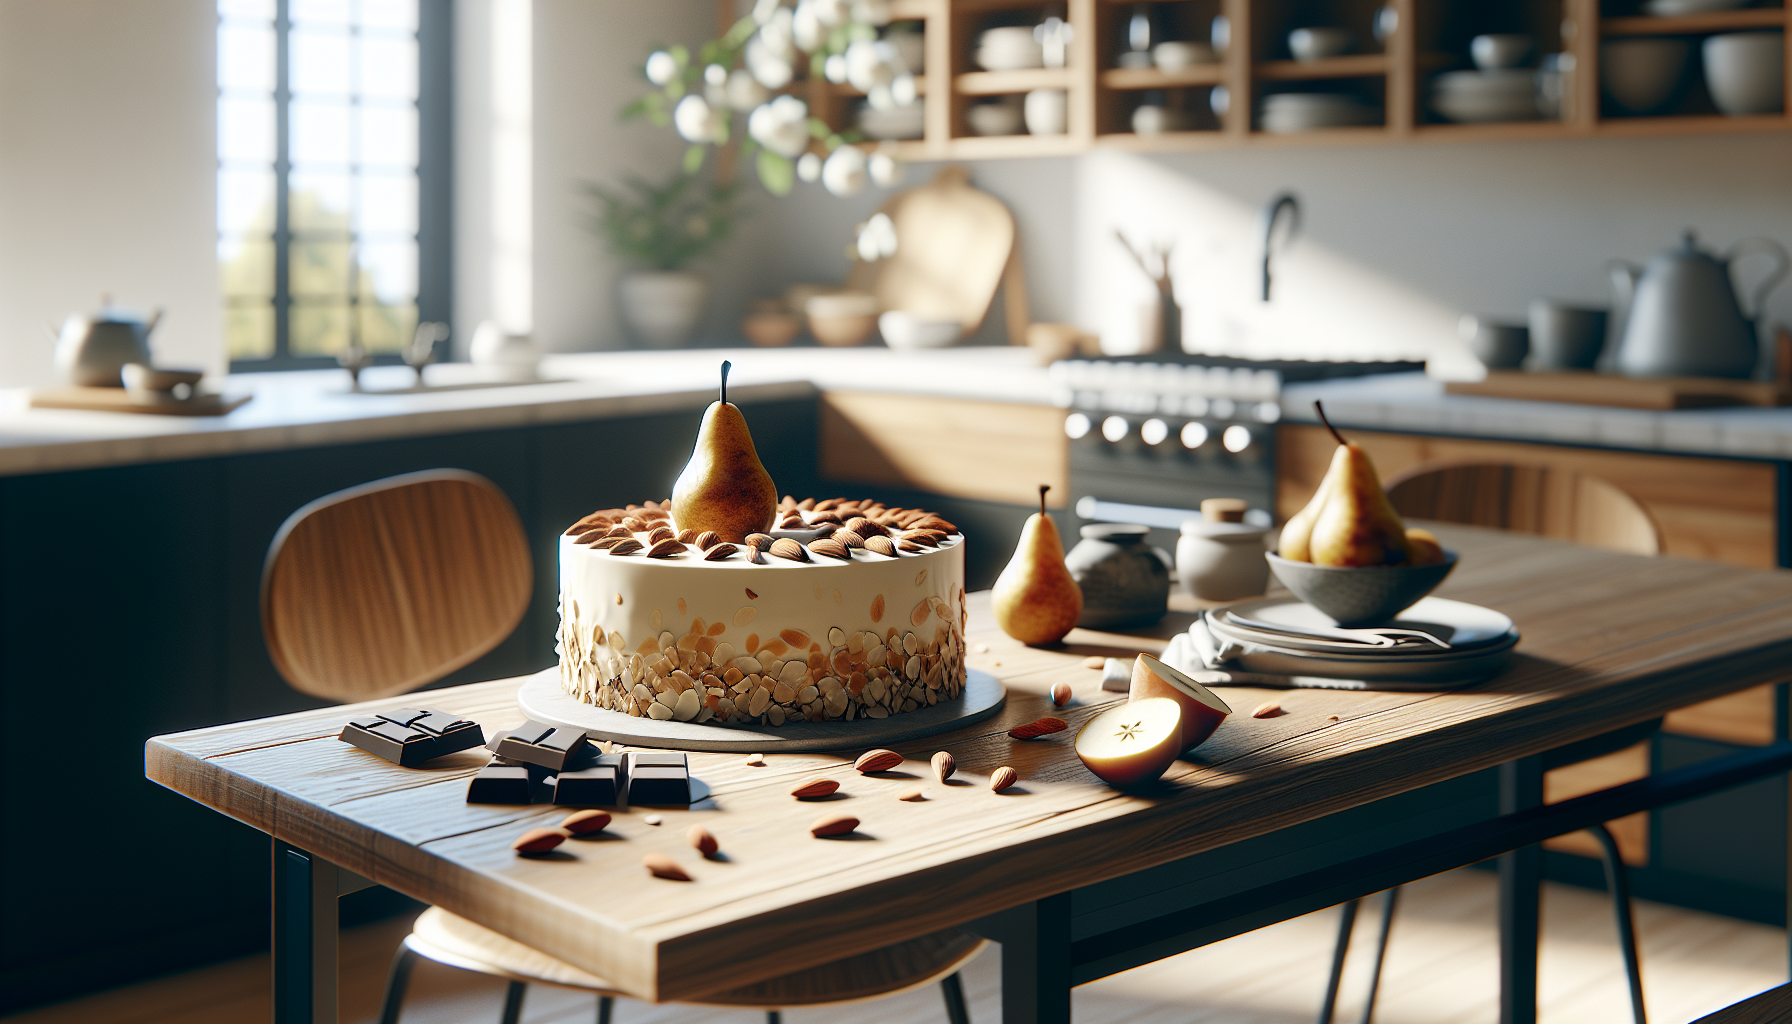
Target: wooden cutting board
(119,400)
(1586,388)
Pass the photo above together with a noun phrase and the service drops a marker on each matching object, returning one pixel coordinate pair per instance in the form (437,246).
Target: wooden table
(1343,795)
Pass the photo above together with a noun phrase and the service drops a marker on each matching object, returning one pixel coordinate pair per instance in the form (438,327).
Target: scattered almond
(833,825)
(866,528)
(944,764)
(912,795)
(877,761)
(538,840)
(881,546)
(705,540)
(588,536)
(651,819)
(584,823)
(607,543)
(687,537)
(784,547)
(703,840)
(754,556)
(662,866)
(829,547)
(792,523)
(756,760)
(626,546)
(1002,778)
(750,595)
(1060,694)
(1331,718)
(909,547)
(665,548)
(660,533)
(1034,730)
(1094,663)
(849,538)
(1267,709)
(815,789)
(760,540)
(718,552)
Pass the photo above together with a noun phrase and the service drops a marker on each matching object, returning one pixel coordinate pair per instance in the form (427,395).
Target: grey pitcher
(1681,317)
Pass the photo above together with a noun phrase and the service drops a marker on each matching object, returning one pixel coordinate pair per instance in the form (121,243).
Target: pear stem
(1319,407)
(1042,489)
(726,366)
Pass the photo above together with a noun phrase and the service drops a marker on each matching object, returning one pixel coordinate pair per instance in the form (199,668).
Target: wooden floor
(1440,970)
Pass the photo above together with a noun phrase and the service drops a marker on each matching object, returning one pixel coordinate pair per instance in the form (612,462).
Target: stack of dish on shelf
(1500,88)
(1289,112)
(1009,48)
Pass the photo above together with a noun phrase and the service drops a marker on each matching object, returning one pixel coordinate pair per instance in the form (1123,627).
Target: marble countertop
(1411,402)
(311,408)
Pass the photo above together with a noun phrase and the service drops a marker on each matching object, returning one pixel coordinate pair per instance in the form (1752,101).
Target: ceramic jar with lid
(1220,557)
(1125,581)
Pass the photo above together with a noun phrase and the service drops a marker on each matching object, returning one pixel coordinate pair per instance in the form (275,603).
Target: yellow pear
(724,487)
(1357,525)
(1035,600)
(1297,532)
(1424,547)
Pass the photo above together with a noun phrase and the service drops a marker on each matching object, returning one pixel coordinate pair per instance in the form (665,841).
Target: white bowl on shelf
(1152,119)
(1009,48)
(1318,43)
(1479,97)
(903,330)
(1640,75)
(1746,72)
(1177,55)
(1498,51)
(905,122)
(1000,118)
(1291,112)
(1047,111)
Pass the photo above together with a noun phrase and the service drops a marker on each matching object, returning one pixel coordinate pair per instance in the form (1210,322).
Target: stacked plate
(1288,112)
(1478,97)
(1435,644)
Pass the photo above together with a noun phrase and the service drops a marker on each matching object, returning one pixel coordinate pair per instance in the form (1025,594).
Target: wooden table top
(1609,640)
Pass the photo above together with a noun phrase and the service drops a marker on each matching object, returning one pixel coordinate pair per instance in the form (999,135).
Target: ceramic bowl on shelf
(1010,48)
(1002,117)
(1746,72)
(1367,595)
(1177,55)
(1482,96)
(903,330)
(771,329)
(1047,111)
(842,318)
(1642,75)
(1311,44)
(1501,50)
(1290,112)
(1151,119)
(904,122)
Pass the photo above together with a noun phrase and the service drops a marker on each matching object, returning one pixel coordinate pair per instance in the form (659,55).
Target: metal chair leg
(953,991)
(606,1005)
(398,982)
(1388,900)
(1346,925)
(1617,882)
(513,1003)
(772,1017)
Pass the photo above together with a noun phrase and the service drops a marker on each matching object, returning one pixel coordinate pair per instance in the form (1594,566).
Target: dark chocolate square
(404,716)
(407,746)
(658,785)
(545,745)
(660,759)
(597,786)
(395,733)
(501,784)
(437,724)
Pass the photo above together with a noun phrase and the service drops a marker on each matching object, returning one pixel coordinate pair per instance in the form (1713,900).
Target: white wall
(107,173)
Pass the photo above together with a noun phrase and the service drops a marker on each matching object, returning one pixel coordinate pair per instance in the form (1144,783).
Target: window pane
(389,271)
(246,57)
(246,268)
(245,201)
(319,329)
(388,68)
(390,14)
(388,205)
(319,12)
(320,63)
(388,137)
(320,132)
(387,328)
(319,267)
(249,331)
(258,9)
(246,130)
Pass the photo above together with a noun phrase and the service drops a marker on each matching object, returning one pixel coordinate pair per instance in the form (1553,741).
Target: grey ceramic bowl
(1361,595)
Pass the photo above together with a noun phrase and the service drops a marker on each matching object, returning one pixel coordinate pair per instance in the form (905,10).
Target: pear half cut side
(1202,709)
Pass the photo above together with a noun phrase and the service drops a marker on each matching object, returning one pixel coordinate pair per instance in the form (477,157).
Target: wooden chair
(379,589)
(1773,1006)
(1551,503)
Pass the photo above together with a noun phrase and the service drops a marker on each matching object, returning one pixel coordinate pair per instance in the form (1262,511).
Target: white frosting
(829,639)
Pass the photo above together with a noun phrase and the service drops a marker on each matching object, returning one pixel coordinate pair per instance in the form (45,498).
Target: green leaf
(776,173)
(693,159)
(680,53)
(818,129)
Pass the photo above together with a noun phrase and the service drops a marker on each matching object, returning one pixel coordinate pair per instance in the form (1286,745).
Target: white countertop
(1411,402)
(311,408)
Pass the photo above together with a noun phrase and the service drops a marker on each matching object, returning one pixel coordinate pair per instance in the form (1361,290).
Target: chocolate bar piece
(501,782)
(553,748)
(411,736)
(600,785)
(658,777)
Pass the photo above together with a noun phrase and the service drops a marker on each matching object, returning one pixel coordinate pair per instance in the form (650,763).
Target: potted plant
(661,228)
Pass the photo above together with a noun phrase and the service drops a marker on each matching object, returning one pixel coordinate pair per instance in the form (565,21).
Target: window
(333,157)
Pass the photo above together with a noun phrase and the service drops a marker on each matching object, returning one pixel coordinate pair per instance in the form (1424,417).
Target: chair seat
(458,942)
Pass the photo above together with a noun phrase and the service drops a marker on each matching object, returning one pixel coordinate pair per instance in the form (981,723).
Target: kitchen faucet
(1272,212)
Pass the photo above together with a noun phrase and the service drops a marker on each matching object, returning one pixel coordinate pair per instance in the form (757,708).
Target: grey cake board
(542,699)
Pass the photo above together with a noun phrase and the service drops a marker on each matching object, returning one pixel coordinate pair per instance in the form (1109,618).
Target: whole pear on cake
(724,487)
(1035,600)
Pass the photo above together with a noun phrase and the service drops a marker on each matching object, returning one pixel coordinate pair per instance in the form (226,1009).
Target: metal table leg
(1521,892)
(1035,940)
(306,887)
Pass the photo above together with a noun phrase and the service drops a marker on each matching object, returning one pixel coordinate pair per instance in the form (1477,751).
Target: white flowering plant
(751,71)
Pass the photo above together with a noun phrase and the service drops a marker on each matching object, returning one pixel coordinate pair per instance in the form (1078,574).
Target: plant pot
(662,308)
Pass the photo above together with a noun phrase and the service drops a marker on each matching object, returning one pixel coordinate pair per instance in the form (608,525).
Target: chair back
(382,588)
(1530,499)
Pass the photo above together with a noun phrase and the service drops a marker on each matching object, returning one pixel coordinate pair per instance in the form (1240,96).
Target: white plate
(1461,624)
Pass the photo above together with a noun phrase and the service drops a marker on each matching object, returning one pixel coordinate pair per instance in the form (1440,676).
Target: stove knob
(1194,434)
(1077,426)
(1237,438)
(1153,431)
(1114,428)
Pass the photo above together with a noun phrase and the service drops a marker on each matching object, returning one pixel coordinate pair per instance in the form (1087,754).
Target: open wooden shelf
(1101,97)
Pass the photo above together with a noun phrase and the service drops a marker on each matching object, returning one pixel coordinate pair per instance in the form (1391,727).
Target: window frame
(435,187)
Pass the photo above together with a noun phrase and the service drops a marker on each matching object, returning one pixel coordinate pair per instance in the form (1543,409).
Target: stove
(1152,436)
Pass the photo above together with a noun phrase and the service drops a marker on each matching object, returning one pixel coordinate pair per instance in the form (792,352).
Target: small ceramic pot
(1222,561)
(1125,581)
(662,307)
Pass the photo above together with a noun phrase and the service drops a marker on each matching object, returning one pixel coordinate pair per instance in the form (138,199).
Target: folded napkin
(1205,657)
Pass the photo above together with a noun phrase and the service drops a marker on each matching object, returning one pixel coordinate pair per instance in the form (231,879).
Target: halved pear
(1202,709)
(1133,743)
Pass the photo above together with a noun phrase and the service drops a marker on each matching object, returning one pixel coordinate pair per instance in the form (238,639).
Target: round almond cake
(845,610)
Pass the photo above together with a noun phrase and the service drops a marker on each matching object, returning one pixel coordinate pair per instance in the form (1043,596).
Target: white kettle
(92,349)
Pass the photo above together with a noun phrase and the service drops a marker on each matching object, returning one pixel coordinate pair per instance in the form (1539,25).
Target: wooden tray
(1586,388)
(119,400)
(542,699)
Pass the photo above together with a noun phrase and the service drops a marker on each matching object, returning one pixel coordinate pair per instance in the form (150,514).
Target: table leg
(1521,894)
(304,937)
(1035,940)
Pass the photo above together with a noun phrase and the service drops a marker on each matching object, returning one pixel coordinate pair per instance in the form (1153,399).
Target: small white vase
(662,307)
(1222,561)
